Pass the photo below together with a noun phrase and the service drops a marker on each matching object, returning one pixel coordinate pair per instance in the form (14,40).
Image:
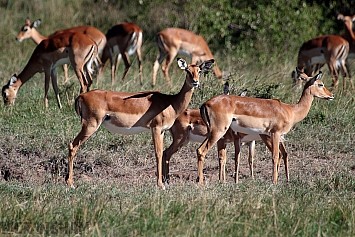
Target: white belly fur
(121,130)
(196,138)
(61,62)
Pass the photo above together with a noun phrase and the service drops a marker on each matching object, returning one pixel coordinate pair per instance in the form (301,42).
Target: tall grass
(114,175)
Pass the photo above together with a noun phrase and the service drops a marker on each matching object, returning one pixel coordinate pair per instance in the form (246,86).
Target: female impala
(28,31)
(123,39)
(130,113)
(267,117)
(75,48)
(173,41)
(190,127)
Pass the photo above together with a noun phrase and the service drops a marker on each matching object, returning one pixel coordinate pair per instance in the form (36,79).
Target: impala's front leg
(158,137)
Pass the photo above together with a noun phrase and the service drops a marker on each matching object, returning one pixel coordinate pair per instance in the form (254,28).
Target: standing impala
(75,48)
(190,127)
(131,113)
(173,41)
(123,39)
(267,117)
(349,35)
(28,31)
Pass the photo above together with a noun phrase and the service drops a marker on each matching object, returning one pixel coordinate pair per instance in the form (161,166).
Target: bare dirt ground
(40,168)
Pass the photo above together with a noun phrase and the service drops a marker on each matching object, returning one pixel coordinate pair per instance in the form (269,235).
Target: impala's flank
(173,41)
(28,31)
(123,39)
(131,113)
(75,48)
(267,117)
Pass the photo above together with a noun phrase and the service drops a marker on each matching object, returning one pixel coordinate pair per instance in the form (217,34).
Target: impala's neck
(30,69)
(303,106)
(36,36)
(349,34)
(182,99)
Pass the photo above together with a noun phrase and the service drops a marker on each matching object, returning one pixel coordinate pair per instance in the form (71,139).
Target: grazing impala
(332,50)
(267,117)
(131,113)
(28,31)
(75,48)
(173,41)
(123,39)
(190,127)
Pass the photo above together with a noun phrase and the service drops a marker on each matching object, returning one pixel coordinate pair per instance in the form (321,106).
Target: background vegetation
(255,43)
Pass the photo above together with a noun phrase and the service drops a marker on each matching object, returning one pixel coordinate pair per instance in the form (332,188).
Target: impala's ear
(298,70)
(13,79)
(340,17)
(182,63)
(226,88)
(36,23)
(207,65)
(319,75)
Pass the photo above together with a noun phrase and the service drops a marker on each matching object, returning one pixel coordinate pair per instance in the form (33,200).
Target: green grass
(116,192)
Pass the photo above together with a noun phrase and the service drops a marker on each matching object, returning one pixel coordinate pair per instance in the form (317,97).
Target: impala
(332,50)
(28,31)
(349,35)
(189,127)
(131,113)
(123,39)
(267,117)
(173,41)
(75,48)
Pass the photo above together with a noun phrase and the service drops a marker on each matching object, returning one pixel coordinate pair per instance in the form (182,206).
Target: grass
(115,192)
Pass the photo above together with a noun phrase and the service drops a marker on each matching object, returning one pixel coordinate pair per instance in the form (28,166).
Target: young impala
(131,113)
(267,117)
(75,48)
(189,127)
(123,39)
(28,31)
(173,41)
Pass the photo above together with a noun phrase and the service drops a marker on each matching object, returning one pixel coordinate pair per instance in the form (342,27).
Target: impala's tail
(341,56)
(90,57)
(134,42)
(78,107)
(204,116)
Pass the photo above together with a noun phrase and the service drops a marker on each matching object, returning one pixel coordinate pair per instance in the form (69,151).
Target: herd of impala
(222,119)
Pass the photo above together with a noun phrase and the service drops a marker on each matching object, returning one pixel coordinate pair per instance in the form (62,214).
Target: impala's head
(26,29)
(194,71)
(315,86)
(347,20)
(9,91)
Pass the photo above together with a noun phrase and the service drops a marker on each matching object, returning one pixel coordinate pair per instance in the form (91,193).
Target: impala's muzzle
(195,83)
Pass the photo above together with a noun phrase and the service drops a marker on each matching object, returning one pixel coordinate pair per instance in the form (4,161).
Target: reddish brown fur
(80,49)
(124,35)
(120,111)
(271,117)
(171,40)
(28,30)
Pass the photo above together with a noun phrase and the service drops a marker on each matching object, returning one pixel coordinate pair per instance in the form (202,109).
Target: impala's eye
(320,85)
